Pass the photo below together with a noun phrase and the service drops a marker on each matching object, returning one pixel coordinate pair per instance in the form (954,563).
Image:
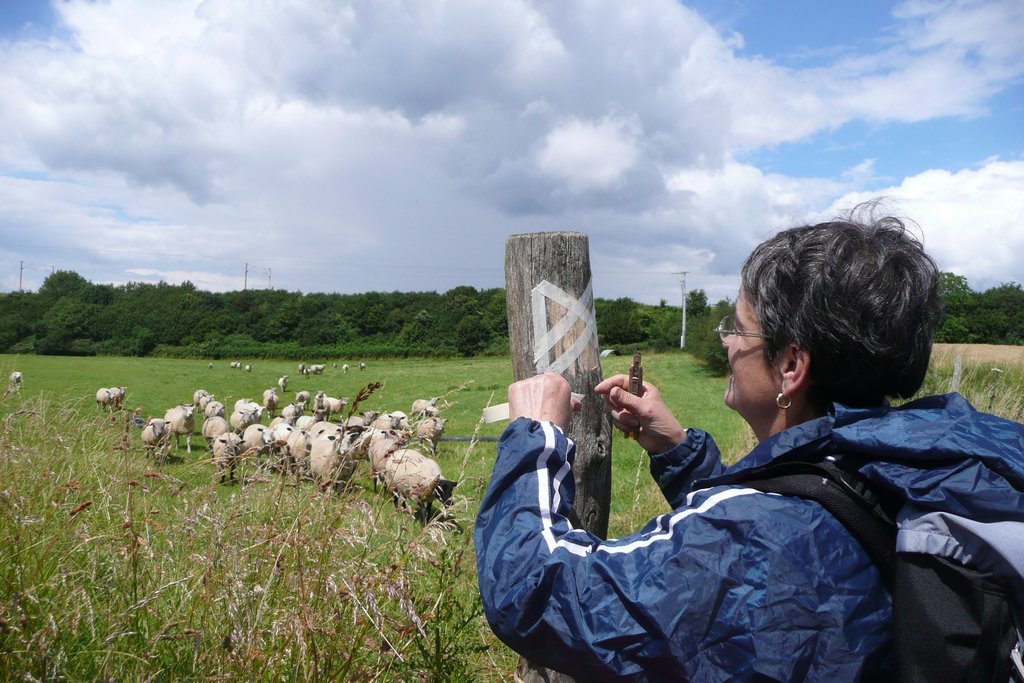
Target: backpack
(950,622)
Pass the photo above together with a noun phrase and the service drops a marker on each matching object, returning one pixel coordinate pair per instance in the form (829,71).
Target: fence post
(552,328)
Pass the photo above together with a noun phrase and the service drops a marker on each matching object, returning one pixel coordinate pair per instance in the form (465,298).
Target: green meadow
(112,566)
(115,567)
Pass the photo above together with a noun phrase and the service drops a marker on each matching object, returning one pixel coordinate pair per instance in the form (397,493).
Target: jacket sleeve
(675,470)
(731,585)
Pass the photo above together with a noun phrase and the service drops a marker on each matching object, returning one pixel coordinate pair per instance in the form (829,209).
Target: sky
(336,146)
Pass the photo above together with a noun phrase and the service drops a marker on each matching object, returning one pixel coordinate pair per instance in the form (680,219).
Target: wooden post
(552,327)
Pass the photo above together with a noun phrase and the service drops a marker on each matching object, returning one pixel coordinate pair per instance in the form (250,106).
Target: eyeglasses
(728,326)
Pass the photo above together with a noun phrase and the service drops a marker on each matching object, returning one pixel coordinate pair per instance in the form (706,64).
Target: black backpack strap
(845,495)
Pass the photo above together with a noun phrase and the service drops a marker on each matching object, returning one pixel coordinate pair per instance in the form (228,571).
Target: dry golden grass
(943,354)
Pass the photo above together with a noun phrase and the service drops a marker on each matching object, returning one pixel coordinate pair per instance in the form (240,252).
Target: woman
(735,584)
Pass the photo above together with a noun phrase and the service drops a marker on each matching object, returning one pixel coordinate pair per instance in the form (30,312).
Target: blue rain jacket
(735,584)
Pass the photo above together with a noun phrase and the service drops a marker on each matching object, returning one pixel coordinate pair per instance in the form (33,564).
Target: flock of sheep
(310,437)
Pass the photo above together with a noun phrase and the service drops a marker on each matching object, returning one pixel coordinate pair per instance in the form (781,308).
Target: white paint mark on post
(576,311)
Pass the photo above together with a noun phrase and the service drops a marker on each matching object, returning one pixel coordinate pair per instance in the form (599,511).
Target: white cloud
(589,155)
(971,221)
(352,145)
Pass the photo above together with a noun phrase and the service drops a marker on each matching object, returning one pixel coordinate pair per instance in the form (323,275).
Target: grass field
(113,567)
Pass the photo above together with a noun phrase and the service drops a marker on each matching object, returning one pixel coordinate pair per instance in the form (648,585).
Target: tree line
(72,316)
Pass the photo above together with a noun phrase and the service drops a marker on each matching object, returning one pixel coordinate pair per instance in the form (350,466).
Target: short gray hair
(861,296)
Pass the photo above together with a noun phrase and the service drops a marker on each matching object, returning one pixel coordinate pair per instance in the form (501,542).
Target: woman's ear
(794,366)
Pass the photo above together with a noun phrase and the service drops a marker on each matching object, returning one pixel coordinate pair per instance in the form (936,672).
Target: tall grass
(990,377)
(111,568)
(114,567)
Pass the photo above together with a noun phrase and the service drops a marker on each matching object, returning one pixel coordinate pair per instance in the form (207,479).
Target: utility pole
(682,286)
(245,280)
(269,283)
(21,272)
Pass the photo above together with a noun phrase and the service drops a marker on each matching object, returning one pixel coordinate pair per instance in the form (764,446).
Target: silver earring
(783,401)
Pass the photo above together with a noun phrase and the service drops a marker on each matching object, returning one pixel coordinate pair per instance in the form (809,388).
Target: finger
(607,385)
(626,422)
(575,403)
(624,400)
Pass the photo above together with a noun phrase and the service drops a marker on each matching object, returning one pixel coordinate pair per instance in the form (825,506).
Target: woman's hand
(646,416)
(543,397)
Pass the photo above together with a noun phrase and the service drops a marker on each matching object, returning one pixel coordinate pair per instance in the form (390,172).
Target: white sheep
(214,409)
(292,412)
(226,449)
(248,415)
(401,420)
(270,401)
(204,401)
(198,395)
(279,435)
(355,422)
(257,438)
(302,368)
(362,365)
(248,368)
(104,399)
(414,478)
(296,451)
(246,404)
(307,421)
(214,427)
(118,394)
(386,421)
(282,382)
(423,407)
(329,404)
(210,366)
(344,368)
(16,378)
(302,397)
(324,427)
(156,435)
(182,421)
(330,461)
(334,406)
(430,430)
(317,369)
(377,446)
